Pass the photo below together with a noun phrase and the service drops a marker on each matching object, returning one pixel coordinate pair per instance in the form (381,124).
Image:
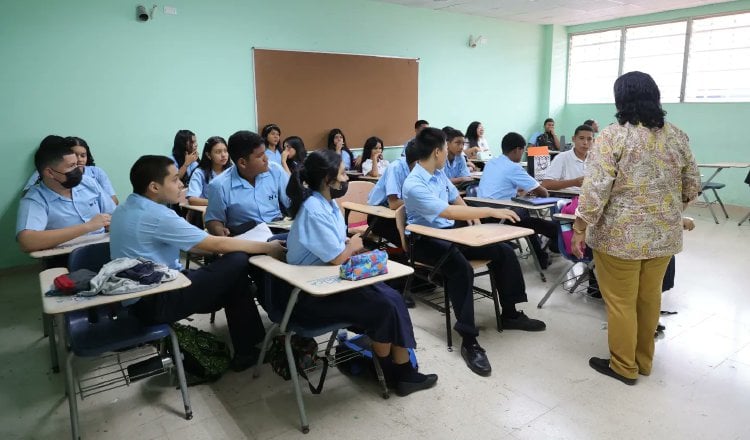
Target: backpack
(205,357)
(363,364)
(305,352)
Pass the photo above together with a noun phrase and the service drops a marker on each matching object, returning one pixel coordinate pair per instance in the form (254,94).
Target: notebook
(536,201)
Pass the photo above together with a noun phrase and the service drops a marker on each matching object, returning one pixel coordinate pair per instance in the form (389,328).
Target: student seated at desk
(249,191)
(548,139)
(567,170)
(87,165)
(214,161)
(271,134)
(65,204)
(431,200)
(145,227)
(477,146)
(318,237)
(185,153)
(293,154)
(503,178)
(337,143)
(372,163)
(387,192)
(455,165)
(418,126)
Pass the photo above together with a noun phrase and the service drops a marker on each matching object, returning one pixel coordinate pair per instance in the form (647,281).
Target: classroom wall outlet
(170,10)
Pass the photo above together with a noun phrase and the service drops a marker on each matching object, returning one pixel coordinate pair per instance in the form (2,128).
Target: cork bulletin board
(309,93)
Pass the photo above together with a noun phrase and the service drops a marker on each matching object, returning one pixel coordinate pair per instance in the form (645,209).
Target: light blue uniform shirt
(197,187)
(143,228)
(97,173)
(426,196)
(274,156)
(457,168)
(390,183)
(502,178)
(190,167)
(347,159)
(233,201)
(318,234)
(42,209)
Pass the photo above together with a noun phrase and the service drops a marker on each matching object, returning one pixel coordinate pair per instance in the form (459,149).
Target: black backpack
(305,352)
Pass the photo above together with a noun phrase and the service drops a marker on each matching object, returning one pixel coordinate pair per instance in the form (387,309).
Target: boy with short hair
(250,191)
(502,179)
(66,204)
(143,226)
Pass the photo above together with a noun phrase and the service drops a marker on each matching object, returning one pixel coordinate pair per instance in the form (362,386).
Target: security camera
(141,14)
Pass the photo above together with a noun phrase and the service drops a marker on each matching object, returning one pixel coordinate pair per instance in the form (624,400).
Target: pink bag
(567,228)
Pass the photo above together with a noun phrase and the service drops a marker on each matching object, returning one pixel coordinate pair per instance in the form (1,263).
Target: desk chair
(283,325)
(105,329)
(480,267)
(713,186)
(588,261)
(747,216)
(358,192)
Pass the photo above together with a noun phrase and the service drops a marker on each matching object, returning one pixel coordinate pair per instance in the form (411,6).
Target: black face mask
(72,177)
(336,193)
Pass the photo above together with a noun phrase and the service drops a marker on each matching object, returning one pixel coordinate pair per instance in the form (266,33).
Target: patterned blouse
(635,184)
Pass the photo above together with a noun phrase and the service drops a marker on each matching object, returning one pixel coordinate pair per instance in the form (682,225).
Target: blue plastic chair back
(91,257)
(106,328)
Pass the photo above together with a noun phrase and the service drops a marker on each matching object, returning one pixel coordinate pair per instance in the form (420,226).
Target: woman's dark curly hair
(638,100)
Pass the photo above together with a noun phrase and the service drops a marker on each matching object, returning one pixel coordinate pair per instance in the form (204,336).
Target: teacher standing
(640,175)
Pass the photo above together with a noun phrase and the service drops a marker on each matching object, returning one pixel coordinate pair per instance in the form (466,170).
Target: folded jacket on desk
(144,273)
(110,279)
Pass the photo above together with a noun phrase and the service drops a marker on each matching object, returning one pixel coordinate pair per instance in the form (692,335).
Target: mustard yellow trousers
(632,293)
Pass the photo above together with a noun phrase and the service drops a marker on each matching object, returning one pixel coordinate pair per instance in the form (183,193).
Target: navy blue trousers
(459,275)
(222,284)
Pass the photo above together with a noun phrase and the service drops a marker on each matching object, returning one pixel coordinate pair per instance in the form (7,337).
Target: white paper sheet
(259,233)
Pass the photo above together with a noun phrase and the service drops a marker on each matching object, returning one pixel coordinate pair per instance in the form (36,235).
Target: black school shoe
(602,366)
(523,322)
(476,359)
(406,388)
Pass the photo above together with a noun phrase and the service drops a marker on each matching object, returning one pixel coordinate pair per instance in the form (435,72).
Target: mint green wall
(87,68)
(716,130)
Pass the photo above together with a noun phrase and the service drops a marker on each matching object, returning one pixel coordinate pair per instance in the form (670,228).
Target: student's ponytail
(318,166)
(296,190)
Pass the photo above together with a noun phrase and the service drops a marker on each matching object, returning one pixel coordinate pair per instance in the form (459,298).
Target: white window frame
(623,40)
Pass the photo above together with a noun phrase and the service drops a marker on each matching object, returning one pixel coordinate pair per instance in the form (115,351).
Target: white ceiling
(563,12)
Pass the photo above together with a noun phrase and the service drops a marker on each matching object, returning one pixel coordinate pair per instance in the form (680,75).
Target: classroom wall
(716,130)
(88,68)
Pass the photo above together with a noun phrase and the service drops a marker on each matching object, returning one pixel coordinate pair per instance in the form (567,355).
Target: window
(659,51)
(719,60)
(714,68)
(593,66)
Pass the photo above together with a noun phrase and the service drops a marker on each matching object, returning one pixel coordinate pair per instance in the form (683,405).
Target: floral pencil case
(364,265)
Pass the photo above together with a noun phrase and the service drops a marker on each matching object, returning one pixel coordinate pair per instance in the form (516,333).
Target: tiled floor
(541,386)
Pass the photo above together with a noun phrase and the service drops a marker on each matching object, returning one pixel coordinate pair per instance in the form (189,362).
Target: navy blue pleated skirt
(378,310)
